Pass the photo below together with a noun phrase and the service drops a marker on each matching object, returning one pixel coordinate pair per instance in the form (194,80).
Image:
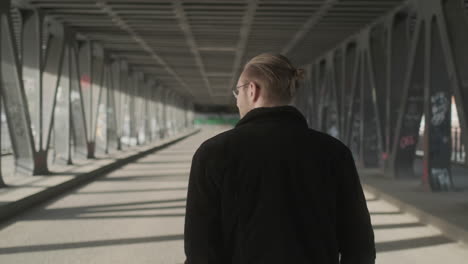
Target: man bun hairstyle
(276,75)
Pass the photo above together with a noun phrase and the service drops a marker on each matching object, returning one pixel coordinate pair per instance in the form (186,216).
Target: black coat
(273,191)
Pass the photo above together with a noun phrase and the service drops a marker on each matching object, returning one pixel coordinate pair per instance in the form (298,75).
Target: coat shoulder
(329,142)
(215,145)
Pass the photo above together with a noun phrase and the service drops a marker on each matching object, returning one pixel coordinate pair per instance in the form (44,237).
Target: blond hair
(275,74)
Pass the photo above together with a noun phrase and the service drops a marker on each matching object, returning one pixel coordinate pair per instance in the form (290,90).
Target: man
(271,190)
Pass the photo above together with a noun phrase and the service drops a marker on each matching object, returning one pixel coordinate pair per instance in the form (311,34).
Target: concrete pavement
(136,215)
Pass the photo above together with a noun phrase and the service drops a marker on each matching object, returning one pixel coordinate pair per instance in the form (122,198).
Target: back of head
(275,74)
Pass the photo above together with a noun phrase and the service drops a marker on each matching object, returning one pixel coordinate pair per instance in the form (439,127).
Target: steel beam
(153,113)
(308,25)
(397,67)
(2,182)
(454,35)
(331,98)
(247,21)
(146,105)
(352,77)
(139,108)
(371,137)
(191,43)
(132,108)
(160,111)
(78,121)
(32,57)
(95,105)
(86,67)
(321,89)
(124,99)
(112,137)
(406,133)
(55,88)
(62,119)
(438,96)
(350,73)
(32,75)
(123,25)
(99,100)
(413,62)
(355,113)
(339,80)
(378,56)
(116,70)
(14,97)
(314,73)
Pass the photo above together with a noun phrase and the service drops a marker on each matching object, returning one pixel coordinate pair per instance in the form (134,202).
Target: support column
(139,88)
(161,120)
(14,98)
(370,126)
(331,99)
(32,57)
(110,112)
(351,69)
(63,114)
(438,95)
(80,135)
(32,75)
(355,112)
(305,91)
(411,109)
(124,101)
(378,73)
(118,94)
(146,109)
(97,135)
(165,111)
(313,114)
(338,76)
(133,82)
(2,182)
(85,61)
(321,92)
(454,35)
(153,112)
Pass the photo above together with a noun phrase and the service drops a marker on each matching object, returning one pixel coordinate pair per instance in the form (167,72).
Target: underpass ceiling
(197,47)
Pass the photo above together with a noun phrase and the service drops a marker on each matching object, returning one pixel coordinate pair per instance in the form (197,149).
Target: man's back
(273,191)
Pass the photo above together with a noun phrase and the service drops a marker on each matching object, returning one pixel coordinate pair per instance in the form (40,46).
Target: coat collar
(277,114)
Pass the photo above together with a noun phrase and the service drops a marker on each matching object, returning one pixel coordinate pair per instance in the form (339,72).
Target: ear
(256,92)
(251,90)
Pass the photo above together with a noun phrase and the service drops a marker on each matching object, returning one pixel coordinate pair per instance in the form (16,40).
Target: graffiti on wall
(441,177)
(407,141)
(440,106)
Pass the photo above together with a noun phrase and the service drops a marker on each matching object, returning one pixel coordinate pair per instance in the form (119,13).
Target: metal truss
(198,47)
(372,90)
(68,96)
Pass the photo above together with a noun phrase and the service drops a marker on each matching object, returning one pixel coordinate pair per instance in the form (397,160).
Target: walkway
(136,214)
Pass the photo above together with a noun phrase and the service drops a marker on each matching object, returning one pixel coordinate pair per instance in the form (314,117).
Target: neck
(264,103)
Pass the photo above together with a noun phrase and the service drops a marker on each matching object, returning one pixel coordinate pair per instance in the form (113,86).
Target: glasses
(235,90)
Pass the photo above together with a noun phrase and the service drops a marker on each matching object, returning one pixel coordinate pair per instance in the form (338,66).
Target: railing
(458,148)
(6,148)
